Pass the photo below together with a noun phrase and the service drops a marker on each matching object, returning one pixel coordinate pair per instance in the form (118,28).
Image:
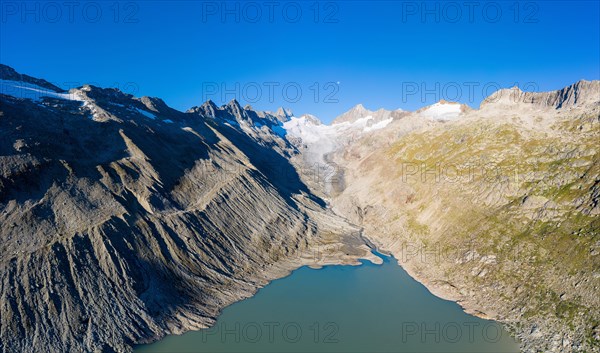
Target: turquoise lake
(367,308)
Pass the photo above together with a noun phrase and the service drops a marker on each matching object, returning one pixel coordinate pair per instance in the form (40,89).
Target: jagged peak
(152,100)
(235,109)
(207,108)
(286,111)
(234,104)
(209,103)
(155,104)
(311,118)
(283,114)
(359,108)
(356,112)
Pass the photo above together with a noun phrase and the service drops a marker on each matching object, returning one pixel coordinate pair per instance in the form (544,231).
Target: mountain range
(124,220)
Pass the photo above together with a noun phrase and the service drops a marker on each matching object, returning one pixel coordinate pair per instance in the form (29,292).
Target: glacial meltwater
(367,308)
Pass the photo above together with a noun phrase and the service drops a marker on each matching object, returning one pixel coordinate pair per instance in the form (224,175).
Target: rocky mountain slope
(123,220)
(496,208)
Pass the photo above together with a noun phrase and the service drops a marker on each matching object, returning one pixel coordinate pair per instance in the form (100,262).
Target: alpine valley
(123,220)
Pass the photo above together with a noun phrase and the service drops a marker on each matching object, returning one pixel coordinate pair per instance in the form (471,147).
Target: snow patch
(231,122)
(168,121)
(27,90)
(379,125)
(92,108)
(146,114)
(442,111)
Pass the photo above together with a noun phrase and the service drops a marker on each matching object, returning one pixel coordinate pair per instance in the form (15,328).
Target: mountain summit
(355,113)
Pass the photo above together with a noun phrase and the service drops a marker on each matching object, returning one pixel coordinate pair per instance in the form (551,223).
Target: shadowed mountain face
(124,220)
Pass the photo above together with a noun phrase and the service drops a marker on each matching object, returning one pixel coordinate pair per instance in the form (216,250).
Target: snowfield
(442,111)
(26,90)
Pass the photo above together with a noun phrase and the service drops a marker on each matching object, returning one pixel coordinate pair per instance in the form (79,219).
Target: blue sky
(314,57)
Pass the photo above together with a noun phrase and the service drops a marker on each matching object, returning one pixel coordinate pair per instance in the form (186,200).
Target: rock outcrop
(580,93)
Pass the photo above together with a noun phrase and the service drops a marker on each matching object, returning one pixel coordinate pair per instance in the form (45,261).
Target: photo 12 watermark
(526,12)
(326,12)
(450,332)
(29,12)
(272,332)
(272,91)
(469,92)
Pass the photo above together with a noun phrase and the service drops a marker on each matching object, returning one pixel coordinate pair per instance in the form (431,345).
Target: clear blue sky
(390,54)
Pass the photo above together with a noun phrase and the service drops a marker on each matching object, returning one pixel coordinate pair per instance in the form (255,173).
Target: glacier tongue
(318,140)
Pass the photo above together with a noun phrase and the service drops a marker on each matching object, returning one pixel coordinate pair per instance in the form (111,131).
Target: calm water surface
(367,308)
